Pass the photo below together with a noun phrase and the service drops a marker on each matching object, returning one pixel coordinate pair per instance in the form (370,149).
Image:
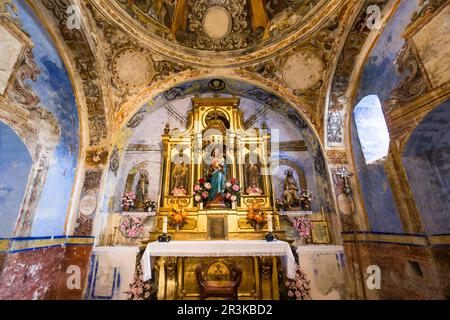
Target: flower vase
(201,205)
(177,227)
(306,205)
(233,205)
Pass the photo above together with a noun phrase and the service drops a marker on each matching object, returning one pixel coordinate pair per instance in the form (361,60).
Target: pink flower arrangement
(201,191)
(140,290)
(128,201)
(179,192)
(232,191)
(254,191)
(303,227)
(298,288)
(132,228)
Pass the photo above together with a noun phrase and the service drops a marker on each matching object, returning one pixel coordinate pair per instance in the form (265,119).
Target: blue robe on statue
(217,183)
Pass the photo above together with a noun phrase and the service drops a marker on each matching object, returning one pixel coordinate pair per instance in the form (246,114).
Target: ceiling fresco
(220,25)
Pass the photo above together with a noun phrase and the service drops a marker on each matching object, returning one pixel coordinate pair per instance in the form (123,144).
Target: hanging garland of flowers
(132,227)
(140,290)
(303,227)
(298,288)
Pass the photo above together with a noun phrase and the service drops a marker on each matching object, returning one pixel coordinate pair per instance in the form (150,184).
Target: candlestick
(165,225)
(269,219)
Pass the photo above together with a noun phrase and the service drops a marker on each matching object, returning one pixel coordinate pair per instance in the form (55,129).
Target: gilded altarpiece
(216,132)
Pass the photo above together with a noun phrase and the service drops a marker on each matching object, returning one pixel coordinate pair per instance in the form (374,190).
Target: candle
(269,219)
(164,225)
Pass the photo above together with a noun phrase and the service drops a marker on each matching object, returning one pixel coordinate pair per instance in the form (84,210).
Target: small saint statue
(291,190)
(180,176)
(253,175)
(142,189)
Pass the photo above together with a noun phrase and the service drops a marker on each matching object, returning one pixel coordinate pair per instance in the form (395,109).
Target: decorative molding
(318,47)
(298,145)
(341,78)
(337,157)
(91,187)
(85,63)
(22,93)
(266,267)
(116,45)
(96,157)
(414,84)
(428,9)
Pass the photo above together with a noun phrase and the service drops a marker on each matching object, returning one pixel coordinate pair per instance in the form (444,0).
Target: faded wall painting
(432,42)
(427,162)
(15,165)
(55,91)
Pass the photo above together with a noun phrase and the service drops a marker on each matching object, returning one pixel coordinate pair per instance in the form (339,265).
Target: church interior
(224,149)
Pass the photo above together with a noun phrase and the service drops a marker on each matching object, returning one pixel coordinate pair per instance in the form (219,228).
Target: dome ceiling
(221,26)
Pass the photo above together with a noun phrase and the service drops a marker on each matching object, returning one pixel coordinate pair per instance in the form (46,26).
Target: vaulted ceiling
(221,25)
(128,51)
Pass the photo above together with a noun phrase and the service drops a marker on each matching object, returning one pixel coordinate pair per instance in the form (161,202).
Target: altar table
(227,248)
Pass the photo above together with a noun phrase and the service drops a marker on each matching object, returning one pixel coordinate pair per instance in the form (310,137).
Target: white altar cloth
(242,248)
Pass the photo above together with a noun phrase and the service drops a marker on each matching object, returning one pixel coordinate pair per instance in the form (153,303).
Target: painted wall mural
(380,77)
(56,94)
(426,159)
(15,165)
(376,191)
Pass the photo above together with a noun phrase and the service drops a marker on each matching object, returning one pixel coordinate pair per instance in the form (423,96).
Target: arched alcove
(15,166)
(426,158)
(292,138)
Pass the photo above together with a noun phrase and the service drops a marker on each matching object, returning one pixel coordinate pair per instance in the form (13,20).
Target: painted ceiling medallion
(133,68)
(217,22)
(302,70)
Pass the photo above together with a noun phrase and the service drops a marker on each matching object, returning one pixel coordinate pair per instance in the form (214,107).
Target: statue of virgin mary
(217,174)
